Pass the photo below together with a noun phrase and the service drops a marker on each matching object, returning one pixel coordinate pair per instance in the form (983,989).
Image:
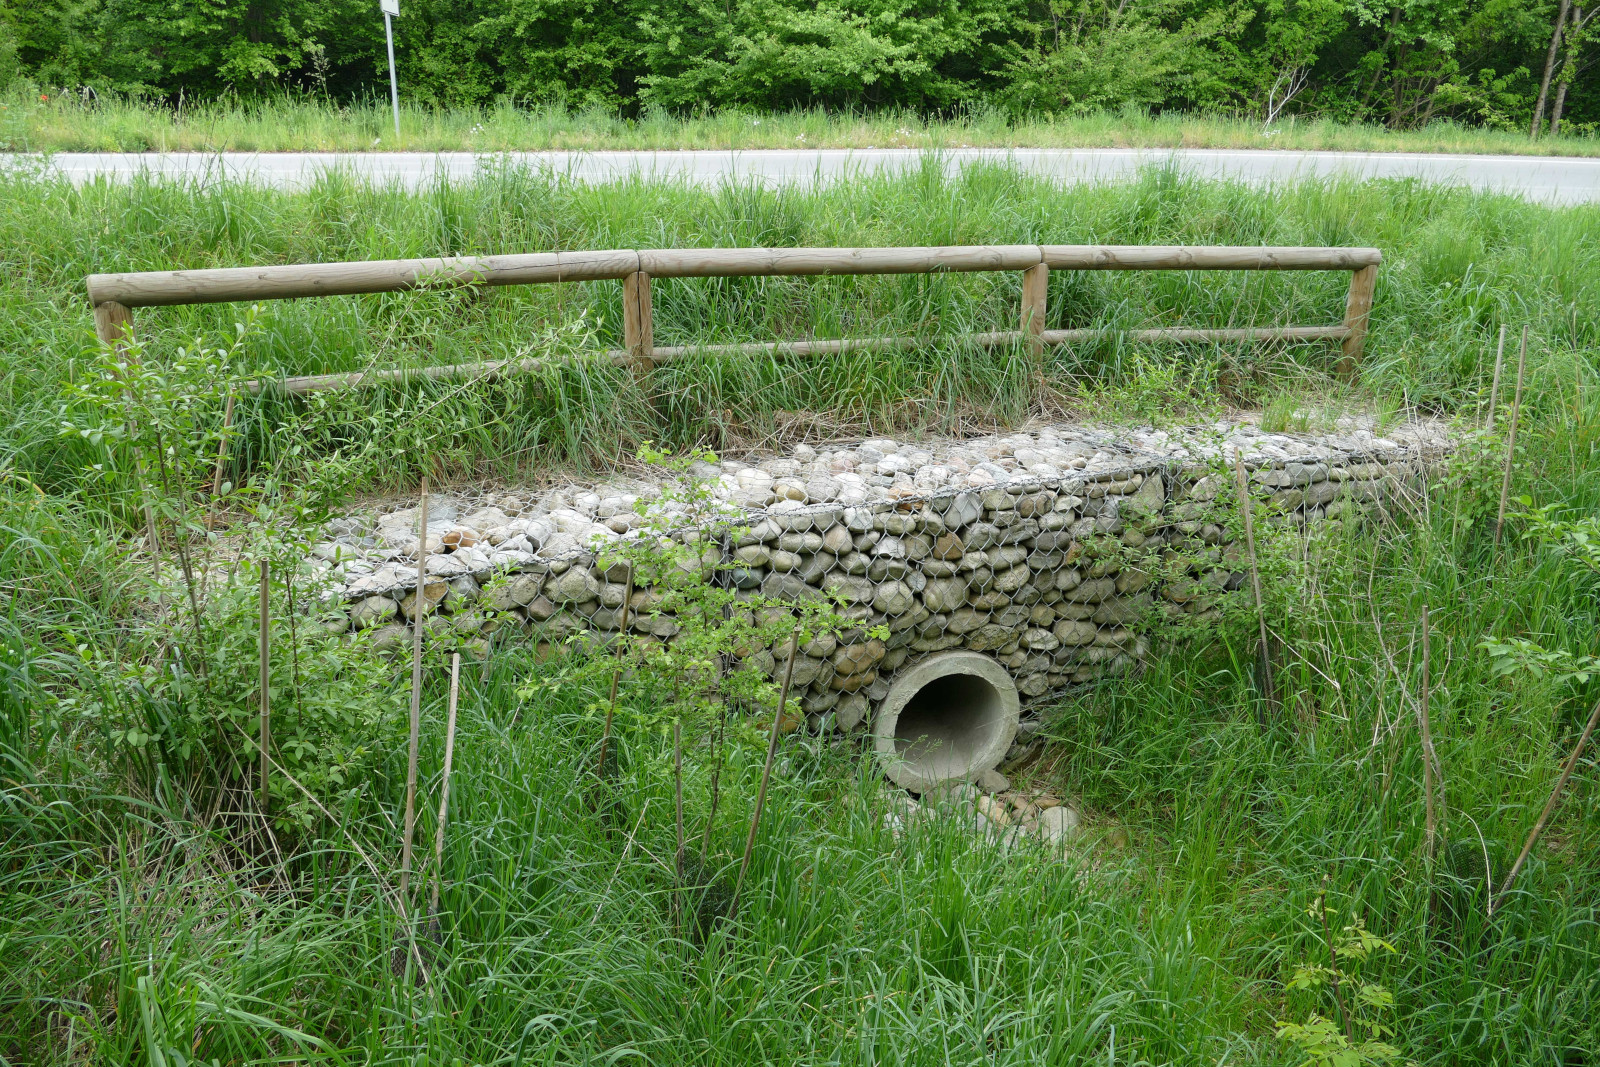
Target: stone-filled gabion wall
(1034,548)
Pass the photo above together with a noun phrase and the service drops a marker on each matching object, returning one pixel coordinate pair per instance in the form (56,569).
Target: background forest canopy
(1402,63)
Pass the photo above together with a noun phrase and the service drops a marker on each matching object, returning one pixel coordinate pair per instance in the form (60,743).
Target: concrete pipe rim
(948,717)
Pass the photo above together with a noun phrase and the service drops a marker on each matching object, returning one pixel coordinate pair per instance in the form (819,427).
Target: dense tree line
(1401,62)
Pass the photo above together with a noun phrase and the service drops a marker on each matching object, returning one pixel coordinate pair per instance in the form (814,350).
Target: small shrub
(1363,1007)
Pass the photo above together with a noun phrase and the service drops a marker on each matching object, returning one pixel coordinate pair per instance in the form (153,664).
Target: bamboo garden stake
(264,736)
(1428,758)
(1333,959)
(1494,390)
(216,484)
(1511,437)
(419,599)
(1577,388)
(766,775)
(113,323)
(1549,808)
(677,800)
(1268,688)
(222,459)
(444,787)
(611,709)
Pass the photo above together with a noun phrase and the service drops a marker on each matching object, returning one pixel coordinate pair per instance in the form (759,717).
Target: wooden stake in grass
(1333,960)
(1494,390)
(1511,437)
(113,323)
(418,602)
(222,459)
(766,776)
(1268,688)
(1549,809)
(444,787)
(677,798)
(355,845)
(719,732)
(216,490)
(264,735)
(1577,388)
(616,673)
(1428,757)
(719,737)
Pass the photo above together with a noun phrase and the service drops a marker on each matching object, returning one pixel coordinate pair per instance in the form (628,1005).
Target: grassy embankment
(140,910)
(65,123)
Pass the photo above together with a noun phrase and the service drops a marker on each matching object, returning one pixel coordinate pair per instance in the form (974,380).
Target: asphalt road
(1562,180)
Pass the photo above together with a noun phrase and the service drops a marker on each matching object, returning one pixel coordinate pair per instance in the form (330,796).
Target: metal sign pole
(391,8)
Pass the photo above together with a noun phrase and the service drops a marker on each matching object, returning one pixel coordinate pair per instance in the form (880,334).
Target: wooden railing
(115,295)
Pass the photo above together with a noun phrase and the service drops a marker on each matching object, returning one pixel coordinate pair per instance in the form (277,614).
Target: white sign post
(391,11)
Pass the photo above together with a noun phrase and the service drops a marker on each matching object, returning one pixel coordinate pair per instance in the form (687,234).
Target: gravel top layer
(884,469)
(564,521)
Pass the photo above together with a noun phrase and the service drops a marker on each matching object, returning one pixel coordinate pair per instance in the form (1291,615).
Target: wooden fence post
(637,328)
(113,322)
(1035,291)
(1357,311)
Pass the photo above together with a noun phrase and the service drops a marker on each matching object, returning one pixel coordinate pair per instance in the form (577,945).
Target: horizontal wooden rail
(489,370)
(1259,333)
(114,295)
(1178,257)
(745,262)
(226,284)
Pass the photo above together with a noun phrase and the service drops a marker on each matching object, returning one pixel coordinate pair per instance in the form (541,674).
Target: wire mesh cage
(1056,553)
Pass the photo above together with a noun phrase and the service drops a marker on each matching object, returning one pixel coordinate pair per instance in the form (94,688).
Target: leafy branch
(1363,1039)
(1520,654)
(1579,540)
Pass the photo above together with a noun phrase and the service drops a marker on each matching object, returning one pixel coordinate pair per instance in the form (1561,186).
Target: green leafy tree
(1092,55)
(1422,59)
(579,52)
(1577,543)
(148,421)
(200,47)
(781,53)
(1400,62)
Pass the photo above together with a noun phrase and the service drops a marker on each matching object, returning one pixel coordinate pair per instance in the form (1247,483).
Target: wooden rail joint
(114,295)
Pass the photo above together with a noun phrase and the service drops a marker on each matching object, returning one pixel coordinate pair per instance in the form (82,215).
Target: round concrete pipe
(949,717)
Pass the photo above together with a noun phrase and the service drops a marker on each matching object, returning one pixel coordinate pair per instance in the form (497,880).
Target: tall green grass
(144,919)
(33,122)
(130,924)
(1458,265)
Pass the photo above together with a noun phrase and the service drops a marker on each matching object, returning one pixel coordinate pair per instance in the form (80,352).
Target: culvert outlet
(949,717)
